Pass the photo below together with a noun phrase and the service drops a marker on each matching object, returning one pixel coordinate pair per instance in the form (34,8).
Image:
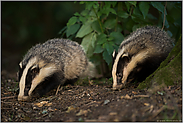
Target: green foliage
(102,26)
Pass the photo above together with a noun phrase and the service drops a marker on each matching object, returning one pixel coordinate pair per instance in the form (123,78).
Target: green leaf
(82,19)
(137,16)
(94,39)
(127,6)
(119,28)
(113,3)
(150,16)
(118,37)
(62,30)
(110,23)
(84,12)
(133,3)
(87,44)
(107,10)
(98,49)
(82,2)
(95,26)
(89,5)
(123,14)
(84,30)
(144,8)
(72,21)
(110,38)
(116,47)
(159,7)
(107,57)
(109,48)
(76,14)
(72,29)
(112,11)
(129,24)
(102,38)
(169,33)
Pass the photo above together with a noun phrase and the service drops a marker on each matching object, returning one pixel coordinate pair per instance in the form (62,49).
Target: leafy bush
(102,26)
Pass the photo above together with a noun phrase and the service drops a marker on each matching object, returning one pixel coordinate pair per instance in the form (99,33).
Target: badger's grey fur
(47,65)
(139,55)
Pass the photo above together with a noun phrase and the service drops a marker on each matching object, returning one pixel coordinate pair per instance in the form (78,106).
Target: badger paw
(118,87)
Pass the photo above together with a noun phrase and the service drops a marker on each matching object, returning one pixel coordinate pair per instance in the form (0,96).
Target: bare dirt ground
(93,102)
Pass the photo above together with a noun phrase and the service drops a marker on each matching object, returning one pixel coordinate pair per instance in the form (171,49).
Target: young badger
(47,65)
(139,55)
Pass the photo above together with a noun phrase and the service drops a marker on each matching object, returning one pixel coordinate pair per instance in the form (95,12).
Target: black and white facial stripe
(140,54)
(33,74)
(54,62)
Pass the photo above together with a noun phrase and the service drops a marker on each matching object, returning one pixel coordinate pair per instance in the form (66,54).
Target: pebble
(106,102)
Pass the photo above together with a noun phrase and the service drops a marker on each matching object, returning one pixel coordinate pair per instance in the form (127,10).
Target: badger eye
(35,70)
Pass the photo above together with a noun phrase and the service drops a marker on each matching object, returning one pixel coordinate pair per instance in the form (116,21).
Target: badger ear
(20,65)
(114,53)
(35,66)
(20,71)
(125,57)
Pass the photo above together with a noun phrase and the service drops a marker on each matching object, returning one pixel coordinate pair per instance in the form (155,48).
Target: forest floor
(92,102)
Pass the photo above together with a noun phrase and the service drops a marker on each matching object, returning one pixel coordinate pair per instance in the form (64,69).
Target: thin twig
(164,16)
(7,97)
(6,108)
(158,111)
(141,96)
(57,90)
(6,102)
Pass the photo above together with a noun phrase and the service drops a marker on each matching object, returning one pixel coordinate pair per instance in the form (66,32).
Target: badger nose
(23,98)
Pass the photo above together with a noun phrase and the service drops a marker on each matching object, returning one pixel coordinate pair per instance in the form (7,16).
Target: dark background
(24,24)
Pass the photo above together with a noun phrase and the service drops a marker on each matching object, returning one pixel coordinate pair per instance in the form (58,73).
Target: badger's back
(51,63)
(67,56)
(149,37)
(140,54)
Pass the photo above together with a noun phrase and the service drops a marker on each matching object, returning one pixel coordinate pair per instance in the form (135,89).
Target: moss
(169,72)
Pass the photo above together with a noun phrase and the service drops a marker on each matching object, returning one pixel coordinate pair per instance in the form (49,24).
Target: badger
(55,62)
(139,55)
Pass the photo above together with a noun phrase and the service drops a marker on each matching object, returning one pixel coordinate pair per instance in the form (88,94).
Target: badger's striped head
(31,75)
(126,65)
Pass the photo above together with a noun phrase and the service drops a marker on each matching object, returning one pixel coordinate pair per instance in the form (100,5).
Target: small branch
(141,95)
(57,90)
(158,111)
(164,16)
(7,97)
(6,108)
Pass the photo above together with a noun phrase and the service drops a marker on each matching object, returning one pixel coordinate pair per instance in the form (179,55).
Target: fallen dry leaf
(45,103)
(82,112)
(70,108)
(126,97)
(134,92)
(113,113)
(146,104)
